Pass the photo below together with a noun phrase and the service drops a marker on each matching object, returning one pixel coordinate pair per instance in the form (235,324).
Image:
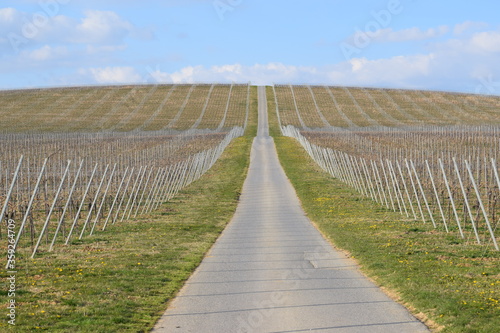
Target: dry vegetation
(122,108)
(309,106)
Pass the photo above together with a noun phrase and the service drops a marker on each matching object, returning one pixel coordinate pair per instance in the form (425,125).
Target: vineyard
(430,155)
(75,160)
(93,189)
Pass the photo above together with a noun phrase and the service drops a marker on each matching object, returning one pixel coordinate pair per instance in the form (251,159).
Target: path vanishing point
(272,271)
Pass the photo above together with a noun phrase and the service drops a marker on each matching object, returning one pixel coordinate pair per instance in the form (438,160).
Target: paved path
(272,271)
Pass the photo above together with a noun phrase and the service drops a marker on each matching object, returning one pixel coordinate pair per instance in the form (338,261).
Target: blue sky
(441,45)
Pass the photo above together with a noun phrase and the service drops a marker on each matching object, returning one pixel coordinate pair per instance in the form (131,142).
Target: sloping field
(123,108)
(319,107)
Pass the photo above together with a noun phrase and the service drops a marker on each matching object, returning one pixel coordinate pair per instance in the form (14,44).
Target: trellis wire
(357,171)
(153,185)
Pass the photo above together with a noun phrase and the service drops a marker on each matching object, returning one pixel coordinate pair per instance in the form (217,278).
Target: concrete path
(272,271)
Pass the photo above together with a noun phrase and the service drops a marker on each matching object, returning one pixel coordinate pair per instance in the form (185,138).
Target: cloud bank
(455,62)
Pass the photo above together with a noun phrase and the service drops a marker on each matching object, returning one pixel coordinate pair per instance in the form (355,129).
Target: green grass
(450,286)
(274,130)
(121,280)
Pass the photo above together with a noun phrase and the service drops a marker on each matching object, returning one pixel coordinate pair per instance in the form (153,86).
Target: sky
(410,44)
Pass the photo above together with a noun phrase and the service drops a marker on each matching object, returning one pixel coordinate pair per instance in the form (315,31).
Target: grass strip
(450,285)
(121,280)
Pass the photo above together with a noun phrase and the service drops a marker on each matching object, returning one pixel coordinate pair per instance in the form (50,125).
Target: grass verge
(121,280)
(451,286)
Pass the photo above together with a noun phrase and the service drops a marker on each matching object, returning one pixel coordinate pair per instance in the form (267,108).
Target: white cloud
(112,75)
(8,15)
(486,42)
(10,21)
(100,49)
(257,74)
(102,27)
(442,67)
(455,64)
(188,74)
(47,53)
(411,34)
(481,44)
(95,27)
(399,70)
(234,69)
(468,26)
(358,71)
